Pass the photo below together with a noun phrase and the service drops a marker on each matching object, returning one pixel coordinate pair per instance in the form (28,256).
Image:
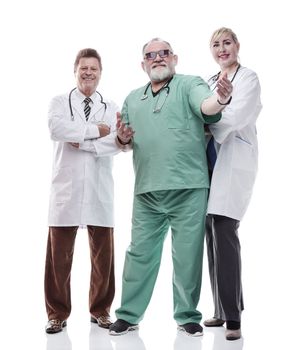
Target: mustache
(154,65)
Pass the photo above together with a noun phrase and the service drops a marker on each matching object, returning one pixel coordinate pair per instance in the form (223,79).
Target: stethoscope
(165,87)
(70,103)
(215,77)
(145,95)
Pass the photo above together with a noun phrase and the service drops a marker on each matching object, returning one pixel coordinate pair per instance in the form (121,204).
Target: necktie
(211,154)
(87,108)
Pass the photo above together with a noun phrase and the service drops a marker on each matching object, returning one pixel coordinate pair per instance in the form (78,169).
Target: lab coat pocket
(105,182)
(244,155)
(62,185)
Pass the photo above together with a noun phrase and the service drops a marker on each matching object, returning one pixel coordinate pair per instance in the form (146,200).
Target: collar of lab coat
(78,106)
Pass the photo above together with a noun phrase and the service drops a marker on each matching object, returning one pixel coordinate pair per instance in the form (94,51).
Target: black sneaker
(122,327)
(192,329)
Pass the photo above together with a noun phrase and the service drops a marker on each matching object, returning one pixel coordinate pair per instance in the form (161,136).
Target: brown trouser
(59,257)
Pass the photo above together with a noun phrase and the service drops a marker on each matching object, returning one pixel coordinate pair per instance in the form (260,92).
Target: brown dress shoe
(214,322)
(55,326)
(233,334)
(102,321)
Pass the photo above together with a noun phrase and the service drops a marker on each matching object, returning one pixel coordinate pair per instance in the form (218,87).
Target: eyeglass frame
(162,54)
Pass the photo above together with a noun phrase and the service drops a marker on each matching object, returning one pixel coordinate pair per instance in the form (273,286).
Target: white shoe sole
(129,329)
(197,334)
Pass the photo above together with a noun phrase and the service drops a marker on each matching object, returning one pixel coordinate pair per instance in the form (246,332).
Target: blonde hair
(223,30)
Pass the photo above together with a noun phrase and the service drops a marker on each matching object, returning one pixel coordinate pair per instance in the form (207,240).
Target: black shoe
(55,326)
(192,329)
(121,327)
(102,321)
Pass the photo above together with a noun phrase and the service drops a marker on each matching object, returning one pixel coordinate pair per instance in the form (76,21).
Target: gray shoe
(214,322)
(233,334)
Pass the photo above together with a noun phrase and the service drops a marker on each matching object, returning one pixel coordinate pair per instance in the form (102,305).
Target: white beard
(160,75)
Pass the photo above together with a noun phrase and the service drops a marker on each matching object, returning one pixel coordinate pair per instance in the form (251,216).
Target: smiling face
(225,50)
(88,74)
(159,69)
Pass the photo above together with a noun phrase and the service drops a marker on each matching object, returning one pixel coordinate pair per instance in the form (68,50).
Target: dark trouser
(224,260)
(59,257)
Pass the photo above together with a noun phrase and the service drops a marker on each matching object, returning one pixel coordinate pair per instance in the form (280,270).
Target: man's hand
(104,130)
(124,132)
(74,144)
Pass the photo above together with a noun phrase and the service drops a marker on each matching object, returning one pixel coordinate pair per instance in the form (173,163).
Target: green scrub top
(169,144)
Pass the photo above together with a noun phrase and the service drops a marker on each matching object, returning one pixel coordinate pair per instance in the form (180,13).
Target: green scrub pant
(153,213)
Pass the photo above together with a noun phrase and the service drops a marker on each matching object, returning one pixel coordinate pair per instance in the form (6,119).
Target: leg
(59,257)
(210,250)
(187,220)
(227,258)
(209,235)
(143,257)
(102,284)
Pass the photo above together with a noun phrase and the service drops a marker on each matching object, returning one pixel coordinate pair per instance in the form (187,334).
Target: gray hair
(155,39)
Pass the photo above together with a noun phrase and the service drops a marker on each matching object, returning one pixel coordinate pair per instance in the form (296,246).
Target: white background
(39,42)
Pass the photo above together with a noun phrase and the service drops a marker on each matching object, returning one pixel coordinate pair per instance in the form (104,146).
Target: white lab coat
(82,182)
(237,148)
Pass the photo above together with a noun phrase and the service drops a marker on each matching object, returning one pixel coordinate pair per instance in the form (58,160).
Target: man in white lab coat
(83,128)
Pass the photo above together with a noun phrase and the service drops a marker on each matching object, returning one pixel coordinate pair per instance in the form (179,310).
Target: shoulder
(187,78)
(188,81)
(138,92)
(246,79)
(245,72)
(59,99)
(61,96)
(108,101)
(111,104)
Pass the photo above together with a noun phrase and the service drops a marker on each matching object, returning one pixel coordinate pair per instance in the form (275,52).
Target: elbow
(53,135)
(221,133)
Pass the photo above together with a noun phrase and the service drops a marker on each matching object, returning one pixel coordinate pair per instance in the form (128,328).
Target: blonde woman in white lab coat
(82,126)
(233,175)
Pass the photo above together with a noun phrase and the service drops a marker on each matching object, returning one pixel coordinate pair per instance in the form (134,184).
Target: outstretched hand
(124,132)
(224,88)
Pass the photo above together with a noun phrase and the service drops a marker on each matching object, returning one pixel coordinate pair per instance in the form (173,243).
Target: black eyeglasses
(161,53)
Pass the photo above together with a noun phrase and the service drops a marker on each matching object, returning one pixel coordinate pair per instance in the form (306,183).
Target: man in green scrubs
(166,119)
